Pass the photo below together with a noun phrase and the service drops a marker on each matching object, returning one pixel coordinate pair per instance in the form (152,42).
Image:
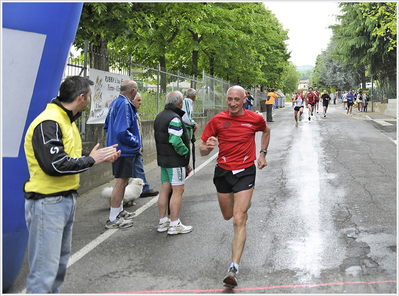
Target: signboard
(36,42)
(106,88)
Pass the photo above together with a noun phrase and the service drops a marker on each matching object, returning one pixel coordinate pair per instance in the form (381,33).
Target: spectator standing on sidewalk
(359,101)
(138,169)
(248,100)
(270,101)
(188,108)
(53,149)
(235,172)
(122,128)
(366,102)
(173,156)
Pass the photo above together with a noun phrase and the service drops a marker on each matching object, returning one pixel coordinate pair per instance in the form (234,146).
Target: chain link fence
(154,84)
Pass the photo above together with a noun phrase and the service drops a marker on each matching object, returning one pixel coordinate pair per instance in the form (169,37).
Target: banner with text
(106,88)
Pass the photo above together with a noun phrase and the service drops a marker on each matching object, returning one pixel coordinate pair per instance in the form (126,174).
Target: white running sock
(163,220)
(174,223)
(235,265)
(113,213)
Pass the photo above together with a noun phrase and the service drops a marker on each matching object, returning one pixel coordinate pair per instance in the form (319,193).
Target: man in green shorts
(173,156)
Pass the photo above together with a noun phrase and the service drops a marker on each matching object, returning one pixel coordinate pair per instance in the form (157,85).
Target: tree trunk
(195,63)
(162,63)
(98,57)
(212,64)
(195,53)
(363,78)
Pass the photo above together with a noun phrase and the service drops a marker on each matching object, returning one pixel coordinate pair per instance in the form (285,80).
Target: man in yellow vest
(53,150)
(270,100)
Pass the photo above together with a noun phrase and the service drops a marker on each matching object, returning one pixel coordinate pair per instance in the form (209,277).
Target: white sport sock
(174,223)
(164,219)
(235,266)
(113,213)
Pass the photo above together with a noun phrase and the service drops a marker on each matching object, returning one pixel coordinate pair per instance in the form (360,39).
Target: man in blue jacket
(122,128)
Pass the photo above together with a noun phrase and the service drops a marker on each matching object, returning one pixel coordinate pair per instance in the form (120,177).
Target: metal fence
(211,90)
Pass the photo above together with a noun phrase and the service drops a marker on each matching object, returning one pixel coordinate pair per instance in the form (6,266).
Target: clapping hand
(106,154)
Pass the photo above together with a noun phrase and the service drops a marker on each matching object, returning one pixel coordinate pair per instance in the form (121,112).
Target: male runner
(310,101)
(298,101)
(235,172)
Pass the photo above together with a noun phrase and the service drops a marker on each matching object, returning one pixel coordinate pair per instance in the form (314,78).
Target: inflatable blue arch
(36,41)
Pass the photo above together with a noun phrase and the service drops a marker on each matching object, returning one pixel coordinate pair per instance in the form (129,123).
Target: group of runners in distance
(310,99)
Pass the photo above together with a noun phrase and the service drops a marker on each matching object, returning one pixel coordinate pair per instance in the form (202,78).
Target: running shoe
(230,281)
(311,113)
(126,215)
(300,118)
(179,229)
(325,115)
(119,222)
(296,123)
(309,118)
(162,227)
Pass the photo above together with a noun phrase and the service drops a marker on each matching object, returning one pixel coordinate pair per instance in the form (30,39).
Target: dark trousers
(269,112)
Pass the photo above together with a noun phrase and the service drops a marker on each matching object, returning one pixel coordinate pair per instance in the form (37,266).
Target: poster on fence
(106,88)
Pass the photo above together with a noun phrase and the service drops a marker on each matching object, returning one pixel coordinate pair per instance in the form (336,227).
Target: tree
(230,40)
(99,23)
(291,79)
(361,44)
(330,72)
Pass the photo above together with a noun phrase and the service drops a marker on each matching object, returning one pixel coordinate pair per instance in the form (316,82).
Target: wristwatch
(264,151)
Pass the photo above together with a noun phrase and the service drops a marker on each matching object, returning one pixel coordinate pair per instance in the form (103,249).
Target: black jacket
(167,157)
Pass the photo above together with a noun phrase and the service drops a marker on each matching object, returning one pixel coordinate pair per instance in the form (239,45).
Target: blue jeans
(138,171)
(49,221)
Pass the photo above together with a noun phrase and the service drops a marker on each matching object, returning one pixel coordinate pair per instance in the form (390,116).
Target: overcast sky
(307,23)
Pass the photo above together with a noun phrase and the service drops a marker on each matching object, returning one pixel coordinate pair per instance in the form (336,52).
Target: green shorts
(175,176)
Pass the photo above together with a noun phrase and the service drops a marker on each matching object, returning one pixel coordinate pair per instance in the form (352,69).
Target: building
(304,84)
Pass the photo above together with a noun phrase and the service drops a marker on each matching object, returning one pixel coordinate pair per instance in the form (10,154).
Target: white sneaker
(119,222)
(179,228)
(126,215)
(162,227)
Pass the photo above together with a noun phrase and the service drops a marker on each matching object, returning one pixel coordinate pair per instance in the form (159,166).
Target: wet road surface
(323,220)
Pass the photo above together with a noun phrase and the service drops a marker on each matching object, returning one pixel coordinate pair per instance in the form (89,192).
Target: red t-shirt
(311,97)
(236,137)
(317,94)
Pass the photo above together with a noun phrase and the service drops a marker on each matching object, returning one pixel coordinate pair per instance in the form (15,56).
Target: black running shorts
(226,182)
(123,167)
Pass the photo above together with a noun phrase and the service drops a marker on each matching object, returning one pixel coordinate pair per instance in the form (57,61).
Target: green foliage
(330,73)
(365,38)
(236,41)
(383,18)
(291,79)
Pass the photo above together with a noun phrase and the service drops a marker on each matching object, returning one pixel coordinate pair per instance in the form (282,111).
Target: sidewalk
(366,115)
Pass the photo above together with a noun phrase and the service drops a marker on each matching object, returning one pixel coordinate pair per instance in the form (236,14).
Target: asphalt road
(323,220)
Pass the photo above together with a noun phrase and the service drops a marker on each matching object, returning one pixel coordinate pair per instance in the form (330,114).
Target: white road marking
(90,246)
